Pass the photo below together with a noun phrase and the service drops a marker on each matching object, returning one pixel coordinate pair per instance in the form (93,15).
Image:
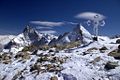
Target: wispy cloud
(90,15)
(52,24)
(42,27)
(48,32)
(71,23)
(47,23)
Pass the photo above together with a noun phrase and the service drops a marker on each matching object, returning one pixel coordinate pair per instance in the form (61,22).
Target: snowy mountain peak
(84,31)
(30,34)
(87,37)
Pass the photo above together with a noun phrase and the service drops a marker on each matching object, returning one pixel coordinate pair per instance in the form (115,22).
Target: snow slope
(85,62)
(77,66)
(4,39)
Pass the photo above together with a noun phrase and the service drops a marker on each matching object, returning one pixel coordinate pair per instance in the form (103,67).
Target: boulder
(115,54)
(54,78)
(111,65)
(118,41)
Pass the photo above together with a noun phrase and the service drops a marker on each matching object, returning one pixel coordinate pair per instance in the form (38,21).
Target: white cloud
(48,32)
(47,23)
(51,24)
(72,23)
(90,16)
(42,27)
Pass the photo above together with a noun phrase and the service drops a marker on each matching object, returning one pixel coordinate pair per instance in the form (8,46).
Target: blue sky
(16,14)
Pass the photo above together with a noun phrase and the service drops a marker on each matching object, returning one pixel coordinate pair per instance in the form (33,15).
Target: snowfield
(76,67)
(93,60)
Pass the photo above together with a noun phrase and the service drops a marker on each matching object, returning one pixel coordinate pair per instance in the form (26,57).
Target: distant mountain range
(30,36)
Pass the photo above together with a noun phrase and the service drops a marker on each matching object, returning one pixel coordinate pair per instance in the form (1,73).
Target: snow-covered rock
(4,39)
(79,33)
(29,36)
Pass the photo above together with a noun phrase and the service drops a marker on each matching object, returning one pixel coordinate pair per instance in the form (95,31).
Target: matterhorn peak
(30,33)
(83,33)
(87,37)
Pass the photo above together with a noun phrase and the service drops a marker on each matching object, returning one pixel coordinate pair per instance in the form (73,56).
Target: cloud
(47,23)
(71,23)
(51,24)
(42,27)
(48,32)
(90,16)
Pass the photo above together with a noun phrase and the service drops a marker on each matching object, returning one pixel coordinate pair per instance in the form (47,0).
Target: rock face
(30,34)
(42,41)
(1,47)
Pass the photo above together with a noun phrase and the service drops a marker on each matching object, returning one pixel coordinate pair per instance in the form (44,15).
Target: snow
(78,66)
(87,37)
(4,39)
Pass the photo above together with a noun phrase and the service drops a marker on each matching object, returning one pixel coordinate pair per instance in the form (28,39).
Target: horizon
(15,15)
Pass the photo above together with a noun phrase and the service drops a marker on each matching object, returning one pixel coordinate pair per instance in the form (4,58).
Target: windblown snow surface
(76,67)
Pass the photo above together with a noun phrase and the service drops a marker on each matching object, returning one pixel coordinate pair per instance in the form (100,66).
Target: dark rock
(103,49)
(111,65)
(35,52)
(95,38)
(119,47)
(1,47)
(115,54)
(118,41)
(54,78)
(51,50)
(68,77)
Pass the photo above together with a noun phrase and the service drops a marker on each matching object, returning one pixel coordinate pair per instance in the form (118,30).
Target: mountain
(4,39)
(28,37)
(79,33)
(93,60)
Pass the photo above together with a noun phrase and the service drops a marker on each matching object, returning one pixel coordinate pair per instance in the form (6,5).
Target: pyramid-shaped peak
(79,29)
(29,29)
(30,33)
(84,31)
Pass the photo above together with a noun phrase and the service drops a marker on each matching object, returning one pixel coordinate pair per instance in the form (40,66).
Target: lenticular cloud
(47,23)
(90,16)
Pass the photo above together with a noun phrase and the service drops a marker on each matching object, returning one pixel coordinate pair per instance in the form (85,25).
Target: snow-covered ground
(85,62)
(76,67)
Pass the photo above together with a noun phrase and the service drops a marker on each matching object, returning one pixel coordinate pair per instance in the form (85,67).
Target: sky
(16,14)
